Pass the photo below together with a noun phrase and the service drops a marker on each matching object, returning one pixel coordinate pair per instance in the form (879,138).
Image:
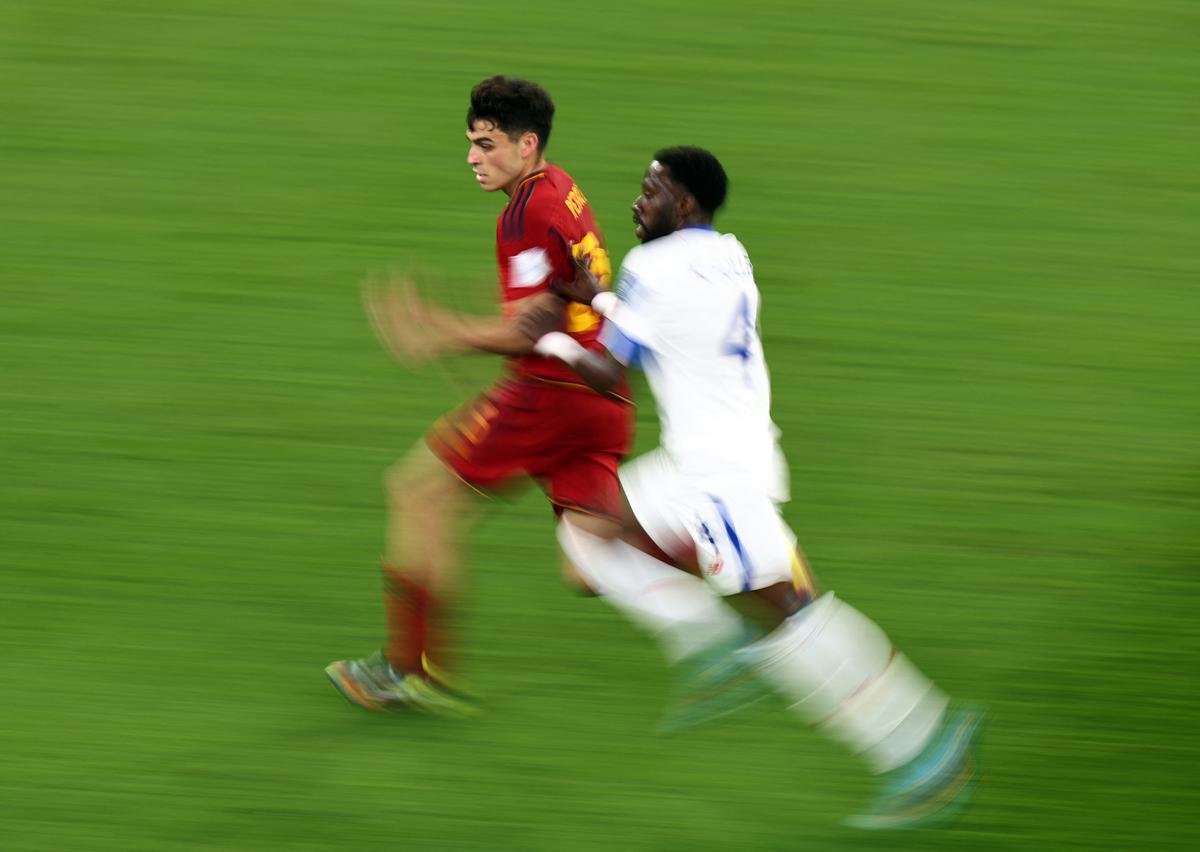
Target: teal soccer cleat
(933,788)
(714,683)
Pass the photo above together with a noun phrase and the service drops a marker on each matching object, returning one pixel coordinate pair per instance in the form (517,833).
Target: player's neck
(696,221)
(531,168)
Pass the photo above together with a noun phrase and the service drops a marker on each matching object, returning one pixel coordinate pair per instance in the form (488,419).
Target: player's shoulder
(709,245)
(645,271)
(537,203)
(557,177)
(548,189)
(632,273)
(637,258)
(706,237)
(732,245)
(527,212)
(653,267)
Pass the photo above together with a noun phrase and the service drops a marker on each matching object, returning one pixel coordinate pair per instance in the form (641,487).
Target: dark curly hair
(514,106)
(699,172)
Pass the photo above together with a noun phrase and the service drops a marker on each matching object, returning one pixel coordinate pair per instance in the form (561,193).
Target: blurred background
(975,229)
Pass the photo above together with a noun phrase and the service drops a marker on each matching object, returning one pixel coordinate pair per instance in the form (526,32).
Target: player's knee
(575,580)
(769,606)
(784,599)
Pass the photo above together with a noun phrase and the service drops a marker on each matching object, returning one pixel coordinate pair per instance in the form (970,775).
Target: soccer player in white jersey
(686,312)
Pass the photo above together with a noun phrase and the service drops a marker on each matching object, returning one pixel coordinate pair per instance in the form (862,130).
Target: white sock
(681,611)
(844,675)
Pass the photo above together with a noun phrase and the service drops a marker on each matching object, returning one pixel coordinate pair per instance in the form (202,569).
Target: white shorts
(736,529)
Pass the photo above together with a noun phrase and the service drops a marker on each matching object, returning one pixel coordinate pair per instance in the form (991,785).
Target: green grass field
(975,229)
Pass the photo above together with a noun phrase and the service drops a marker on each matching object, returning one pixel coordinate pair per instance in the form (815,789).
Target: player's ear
(529,143)
(686,204)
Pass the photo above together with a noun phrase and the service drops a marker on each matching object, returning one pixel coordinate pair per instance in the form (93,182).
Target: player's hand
(540,315)
(585,286)
(403,322)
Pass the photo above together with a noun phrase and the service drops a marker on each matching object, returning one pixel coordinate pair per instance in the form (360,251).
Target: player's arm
(541,324)
(413,329)
(458,333)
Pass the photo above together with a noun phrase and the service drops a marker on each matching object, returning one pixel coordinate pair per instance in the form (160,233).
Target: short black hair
(514,106)
(699,172)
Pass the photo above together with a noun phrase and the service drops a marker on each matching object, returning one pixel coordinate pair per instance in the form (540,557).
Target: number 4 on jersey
(740,336)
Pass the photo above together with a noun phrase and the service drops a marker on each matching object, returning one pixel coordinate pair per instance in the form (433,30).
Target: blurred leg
(680,611)
(430,510)
(841,673)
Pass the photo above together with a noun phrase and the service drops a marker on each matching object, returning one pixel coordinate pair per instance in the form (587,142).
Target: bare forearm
(496,336)
(459,333)
(600,372)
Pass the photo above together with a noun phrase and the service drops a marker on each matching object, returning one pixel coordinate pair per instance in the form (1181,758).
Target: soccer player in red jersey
(539,421)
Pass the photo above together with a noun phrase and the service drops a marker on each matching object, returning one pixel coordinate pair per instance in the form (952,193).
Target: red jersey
(546,214)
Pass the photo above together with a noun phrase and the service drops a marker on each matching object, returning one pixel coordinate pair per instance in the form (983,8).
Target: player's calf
(842,673)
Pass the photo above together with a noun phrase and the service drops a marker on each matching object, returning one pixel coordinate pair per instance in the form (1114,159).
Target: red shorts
(566,437)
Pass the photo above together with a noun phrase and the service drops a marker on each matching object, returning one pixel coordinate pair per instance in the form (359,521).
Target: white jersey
(688,315)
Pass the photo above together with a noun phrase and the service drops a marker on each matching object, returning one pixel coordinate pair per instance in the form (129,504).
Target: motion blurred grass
(975,228)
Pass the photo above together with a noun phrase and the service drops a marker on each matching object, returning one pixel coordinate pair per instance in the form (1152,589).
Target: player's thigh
(424,489)
(733,531)
(586,437)
(657,498)
(586,485)
(494,441)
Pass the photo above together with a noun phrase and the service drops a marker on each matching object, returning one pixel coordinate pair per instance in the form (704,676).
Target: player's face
(656,210)
(499,161)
